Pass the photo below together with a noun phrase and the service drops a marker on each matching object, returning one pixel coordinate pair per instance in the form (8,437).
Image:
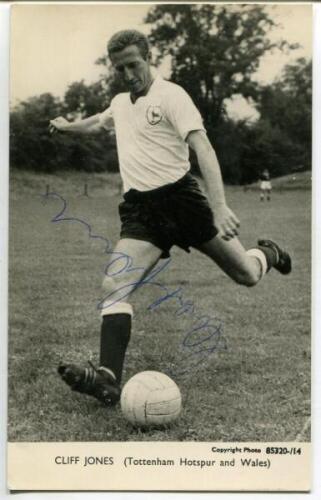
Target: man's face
(133,69)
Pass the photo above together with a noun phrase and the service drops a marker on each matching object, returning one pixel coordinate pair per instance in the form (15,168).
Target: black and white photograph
(160,226)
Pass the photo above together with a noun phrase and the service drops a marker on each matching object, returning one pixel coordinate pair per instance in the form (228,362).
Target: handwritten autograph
(203,338)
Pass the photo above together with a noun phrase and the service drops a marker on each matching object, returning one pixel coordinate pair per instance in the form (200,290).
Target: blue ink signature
(206,333)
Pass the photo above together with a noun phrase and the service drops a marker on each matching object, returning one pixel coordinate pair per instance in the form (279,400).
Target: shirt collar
(157,79)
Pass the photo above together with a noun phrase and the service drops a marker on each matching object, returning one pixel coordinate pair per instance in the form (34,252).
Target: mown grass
(258,389)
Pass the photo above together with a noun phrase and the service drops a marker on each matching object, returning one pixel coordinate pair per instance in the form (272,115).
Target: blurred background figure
(265,185)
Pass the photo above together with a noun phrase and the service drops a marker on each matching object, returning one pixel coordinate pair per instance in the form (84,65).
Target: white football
(150,398)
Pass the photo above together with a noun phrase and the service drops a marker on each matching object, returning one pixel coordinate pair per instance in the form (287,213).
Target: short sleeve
(182,112)
(106,119)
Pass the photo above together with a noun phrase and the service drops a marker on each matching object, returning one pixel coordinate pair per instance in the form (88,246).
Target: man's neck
(134,97)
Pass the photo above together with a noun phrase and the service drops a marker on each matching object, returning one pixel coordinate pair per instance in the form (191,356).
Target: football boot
(283,259)
(96,382)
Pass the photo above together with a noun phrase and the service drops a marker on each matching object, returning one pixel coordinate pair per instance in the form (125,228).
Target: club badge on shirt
(154,114)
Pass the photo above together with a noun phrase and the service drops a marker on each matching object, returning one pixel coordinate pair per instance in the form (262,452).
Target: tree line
(213,52)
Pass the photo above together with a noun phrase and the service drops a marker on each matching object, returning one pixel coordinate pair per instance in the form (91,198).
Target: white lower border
(159,466)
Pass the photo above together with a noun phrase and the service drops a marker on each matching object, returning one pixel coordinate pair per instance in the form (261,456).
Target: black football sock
(115,334)
(270,255)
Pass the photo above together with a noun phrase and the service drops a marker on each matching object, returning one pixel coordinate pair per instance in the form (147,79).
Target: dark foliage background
(214,52)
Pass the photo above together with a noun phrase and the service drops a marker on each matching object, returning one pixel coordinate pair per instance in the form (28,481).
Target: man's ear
(149,57)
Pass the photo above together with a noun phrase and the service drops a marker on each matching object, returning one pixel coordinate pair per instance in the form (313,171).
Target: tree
(281,139)
(287,105)
(267,146)
(214,50)
(33,148)
(110,80)
(86,100)
(30,143)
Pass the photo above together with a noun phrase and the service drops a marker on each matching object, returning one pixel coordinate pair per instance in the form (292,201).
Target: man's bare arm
(225,220)
(86,126)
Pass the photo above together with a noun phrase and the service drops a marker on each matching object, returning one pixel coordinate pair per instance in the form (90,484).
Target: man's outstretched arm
(89,125)
(225,220)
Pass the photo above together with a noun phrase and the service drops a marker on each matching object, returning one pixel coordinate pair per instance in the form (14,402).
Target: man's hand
(226,222)
(59,124)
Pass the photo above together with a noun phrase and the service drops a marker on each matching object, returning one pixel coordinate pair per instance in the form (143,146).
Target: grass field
(257,389)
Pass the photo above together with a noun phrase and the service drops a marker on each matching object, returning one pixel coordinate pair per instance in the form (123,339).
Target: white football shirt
(151,134)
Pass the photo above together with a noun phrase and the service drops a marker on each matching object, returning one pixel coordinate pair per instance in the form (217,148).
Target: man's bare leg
(246,267)
(130,261)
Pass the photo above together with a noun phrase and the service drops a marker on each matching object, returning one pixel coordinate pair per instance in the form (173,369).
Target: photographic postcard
(160,299)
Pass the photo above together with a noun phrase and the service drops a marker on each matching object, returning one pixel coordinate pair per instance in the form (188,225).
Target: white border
(4,192)
(316,252)
(316,277)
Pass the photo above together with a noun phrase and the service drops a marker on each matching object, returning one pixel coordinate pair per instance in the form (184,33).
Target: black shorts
(174,214)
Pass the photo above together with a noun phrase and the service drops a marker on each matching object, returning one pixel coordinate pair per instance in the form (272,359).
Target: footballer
(156,122)
(265,185)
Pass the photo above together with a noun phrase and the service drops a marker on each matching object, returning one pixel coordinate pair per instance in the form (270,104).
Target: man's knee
(246,278)
(108,284)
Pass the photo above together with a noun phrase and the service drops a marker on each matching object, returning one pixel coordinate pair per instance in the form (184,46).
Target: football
(150,398)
